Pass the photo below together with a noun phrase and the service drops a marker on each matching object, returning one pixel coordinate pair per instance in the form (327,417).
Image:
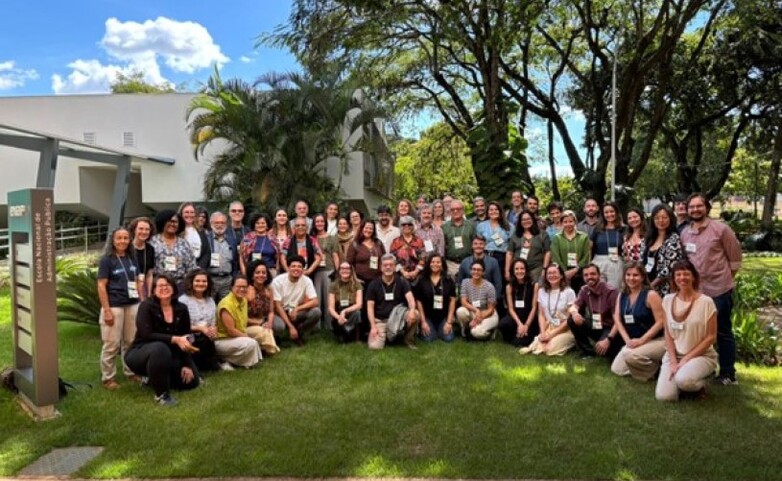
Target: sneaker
(165,399)
(726,380)
(144,381)
(111,385)
(226,366)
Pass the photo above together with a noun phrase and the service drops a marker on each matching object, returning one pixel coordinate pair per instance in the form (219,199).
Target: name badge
(519,303)
(629,319)
(389,296)
(438,302)
(498,241)
(458,242)
(196,251)
(132,290)
(613,254)
(649,265)
(571,259)
(523,253)
(256,256)
(344,302)
(141,277)
(323,262)
(169,263)
(675,326)
(373,262)
(555,321)
(690,247)
(214,260)
(428,246)
(478,303)
(597,323)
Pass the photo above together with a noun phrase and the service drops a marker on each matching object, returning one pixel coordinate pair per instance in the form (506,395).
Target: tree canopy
(134,83)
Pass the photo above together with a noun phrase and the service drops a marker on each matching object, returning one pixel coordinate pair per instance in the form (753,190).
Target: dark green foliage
(77,297)
(756,342)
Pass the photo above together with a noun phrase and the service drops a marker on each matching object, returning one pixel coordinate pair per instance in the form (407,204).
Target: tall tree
(272,141)
(134,83)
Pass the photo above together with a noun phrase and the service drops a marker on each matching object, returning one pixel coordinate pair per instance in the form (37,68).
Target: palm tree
(273,139)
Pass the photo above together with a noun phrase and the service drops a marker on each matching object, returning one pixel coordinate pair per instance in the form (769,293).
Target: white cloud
(245,59)
(181,46)
(12,77)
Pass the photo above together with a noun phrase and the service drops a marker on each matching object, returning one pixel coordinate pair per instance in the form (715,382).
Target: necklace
(681,317)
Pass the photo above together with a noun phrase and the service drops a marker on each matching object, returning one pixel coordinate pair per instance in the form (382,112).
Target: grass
(454,411)
(761,265)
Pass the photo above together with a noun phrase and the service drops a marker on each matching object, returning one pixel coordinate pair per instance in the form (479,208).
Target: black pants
(163,367)
(507,328)
(586,337)
(206,357)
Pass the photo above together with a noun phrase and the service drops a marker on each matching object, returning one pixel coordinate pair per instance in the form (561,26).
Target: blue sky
(77,47)
(66,47)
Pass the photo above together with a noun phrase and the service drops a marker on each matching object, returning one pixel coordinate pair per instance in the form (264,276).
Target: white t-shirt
(555,303)
(388,236)
(292,293)
(194,239)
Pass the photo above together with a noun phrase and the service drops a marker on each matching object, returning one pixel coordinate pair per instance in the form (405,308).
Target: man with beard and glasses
(591,317)
(714,250)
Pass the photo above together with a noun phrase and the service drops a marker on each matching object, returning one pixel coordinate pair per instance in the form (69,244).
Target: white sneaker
(225,366)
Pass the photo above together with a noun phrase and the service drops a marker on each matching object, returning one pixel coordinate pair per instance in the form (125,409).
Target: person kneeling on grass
(478,314)
(554,299)
(237,344)
(161,350)
(390,307)
(640,319)
(690,331)
(295,301)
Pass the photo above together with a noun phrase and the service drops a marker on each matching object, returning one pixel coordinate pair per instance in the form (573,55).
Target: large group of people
(190,292)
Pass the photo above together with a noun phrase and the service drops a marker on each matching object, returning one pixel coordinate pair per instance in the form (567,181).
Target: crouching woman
(161,349)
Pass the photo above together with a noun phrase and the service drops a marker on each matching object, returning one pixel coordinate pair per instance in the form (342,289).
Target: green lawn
(761,265)
(455,411)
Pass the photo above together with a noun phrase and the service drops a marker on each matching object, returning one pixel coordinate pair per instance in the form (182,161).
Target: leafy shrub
(758,290)
(77,297)
(756,343)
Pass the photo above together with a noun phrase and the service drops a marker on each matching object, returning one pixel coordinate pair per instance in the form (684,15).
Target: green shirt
(452,233)
(561,247)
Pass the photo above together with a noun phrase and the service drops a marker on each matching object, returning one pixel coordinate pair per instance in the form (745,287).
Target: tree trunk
(770,201)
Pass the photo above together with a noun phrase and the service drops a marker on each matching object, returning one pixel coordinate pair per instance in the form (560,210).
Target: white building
(144,133)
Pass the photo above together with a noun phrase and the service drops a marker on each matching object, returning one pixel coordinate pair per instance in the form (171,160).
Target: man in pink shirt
(714,250)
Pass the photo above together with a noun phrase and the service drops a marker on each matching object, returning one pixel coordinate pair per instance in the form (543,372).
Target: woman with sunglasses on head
(639,318)
(173,254)
(118,291)
(519,326)
(554,299)
(435,296)
(345,301)
(162,350)
(201,307)
(606,240)
(690,332)
(408,249)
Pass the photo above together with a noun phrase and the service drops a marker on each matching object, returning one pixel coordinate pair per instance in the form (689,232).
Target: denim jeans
(435,332)
(726,343)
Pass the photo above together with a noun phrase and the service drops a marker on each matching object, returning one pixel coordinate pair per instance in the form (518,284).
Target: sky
(75,47)
(56,47)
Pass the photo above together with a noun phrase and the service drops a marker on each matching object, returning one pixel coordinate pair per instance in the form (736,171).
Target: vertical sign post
(34,299)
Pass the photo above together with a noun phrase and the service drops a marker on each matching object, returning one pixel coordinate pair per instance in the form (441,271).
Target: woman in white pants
(690,332)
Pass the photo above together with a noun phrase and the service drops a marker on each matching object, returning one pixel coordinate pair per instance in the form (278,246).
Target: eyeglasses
(236,211)
(173,222)
(407,225)
(240,288)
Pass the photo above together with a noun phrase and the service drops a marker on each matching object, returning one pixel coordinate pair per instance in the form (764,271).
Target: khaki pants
(265,338)
(640,362)
(240,351)
(117,338)
(557,346)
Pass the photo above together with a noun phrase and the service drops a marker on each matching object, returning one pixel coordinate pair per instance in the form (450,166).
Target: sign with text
(34,295)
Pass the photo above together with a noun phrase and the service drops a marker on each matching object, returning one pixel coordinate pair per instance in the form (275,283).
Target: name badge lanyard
(388,296)
(599,309)
(132,289)
(523,298)
(552,312)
